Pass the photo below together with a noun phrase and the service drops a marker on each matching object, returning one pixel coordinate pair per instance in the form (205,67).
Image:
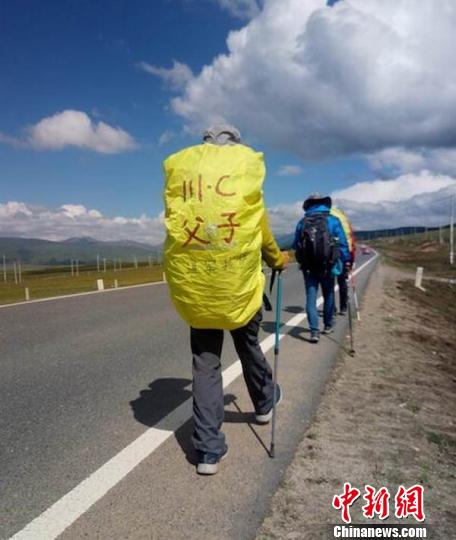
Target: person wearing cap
(317,207)
(217,235)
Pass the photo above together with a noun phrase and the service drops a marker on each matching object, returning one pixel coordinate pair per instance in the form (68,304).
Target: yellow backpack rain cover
(213,208)
(337,212)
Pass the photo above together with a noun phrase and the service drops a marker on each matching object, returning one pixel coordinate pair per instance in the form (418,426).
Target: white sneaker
(267,417)
(208,462)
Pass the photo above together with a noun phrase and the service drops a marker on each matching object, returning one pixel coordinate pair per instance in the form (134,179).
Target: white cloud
(440,160)
(166,137)
(75,220)
(243,9)
(424,210)
(402,188)
(283,217)
(289,170)
(11,141)
(72,128)
(75,128)
(359,76)
(409,200)
(175,77)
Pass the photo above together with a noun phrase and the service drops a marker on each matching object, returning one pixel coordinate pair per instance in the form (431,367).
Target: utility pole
(440,235)
(72,268)
(98,262)
(77,267)
(136,262)
(4,268)
(452,231)
(120,263)
(15,272)
(104,266)
(19,268)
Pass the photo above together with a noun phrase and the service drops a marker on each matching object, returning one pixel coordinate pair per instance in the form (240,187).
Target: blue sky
(85,56)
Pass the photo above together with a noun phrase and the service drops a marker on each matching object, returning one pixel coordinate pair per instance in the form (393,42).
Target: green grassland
(56,281)
(423,249)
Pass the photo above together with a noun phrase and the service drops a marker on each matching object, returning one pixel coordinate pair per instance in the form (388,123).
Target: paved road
(84,377)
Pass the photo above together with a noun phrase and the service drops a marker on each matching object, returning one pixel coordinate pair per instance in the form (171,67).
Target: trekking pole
(276,356)
(350,323)
(355,296)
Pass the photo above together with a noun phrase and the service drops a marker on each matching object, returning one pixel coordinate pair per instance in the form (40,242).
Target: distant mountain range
(46,252)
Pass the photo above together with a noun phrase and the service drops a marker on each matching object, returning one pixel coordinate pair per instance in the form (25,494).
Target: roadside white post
(419,278)
(116,284)
(452,231)
(27,294)
(100,284)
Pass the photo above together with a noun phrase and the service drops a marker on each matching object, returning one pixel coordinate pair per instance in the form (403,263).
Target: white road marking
(75,295)
(53,521)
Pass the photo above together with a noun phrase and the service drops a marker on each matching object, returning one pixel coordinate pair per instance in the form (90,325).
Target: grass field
(424,250)
(44,283)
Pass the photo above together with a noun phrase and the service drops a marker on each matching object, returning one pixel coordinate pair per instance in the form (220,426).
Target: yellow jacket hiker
(217,234)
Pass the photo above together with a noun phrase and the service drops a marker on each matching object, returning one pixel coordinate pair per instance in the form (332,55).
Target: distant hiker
(321,250)
(217,234)
(342,278)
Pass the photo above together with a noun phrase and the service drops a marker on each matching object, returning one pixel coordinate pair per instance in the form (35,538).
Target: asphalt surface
(83,377)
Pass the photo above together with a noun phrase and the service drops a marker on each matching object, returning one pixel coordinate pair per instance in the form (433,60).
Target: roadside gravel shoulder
(387,418)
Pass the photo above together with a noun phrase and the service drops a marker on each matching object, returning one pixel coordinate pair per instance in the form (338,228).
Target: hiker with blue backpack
(321,250)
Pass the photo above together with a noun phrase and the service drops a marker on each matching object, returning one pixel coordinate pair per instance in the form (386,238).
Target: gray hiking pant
(208,405)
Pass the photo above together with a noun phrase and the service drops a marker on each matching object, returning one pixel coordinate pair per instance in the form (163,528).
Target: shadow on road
(293,309)
(159,399)
(184,433)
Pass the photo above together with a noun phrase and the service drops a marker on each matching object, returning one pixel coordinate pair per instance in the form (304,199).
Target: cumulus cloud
(402,160)
(400,189)
(424,210)
(166,137)
(242,9)
(409,200)
(73,128)
(289,170)
(175,77)
(15,142)
(75,220)
(318,80)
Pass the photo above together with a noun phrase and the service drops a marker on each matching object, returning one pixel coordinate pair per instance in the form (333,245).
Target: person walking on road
(342,278)
(321,250)
(217,234)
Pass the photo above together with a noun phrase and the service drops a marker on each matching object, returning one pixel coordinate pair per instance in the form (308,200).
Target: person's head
(316,199)
(222,134)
